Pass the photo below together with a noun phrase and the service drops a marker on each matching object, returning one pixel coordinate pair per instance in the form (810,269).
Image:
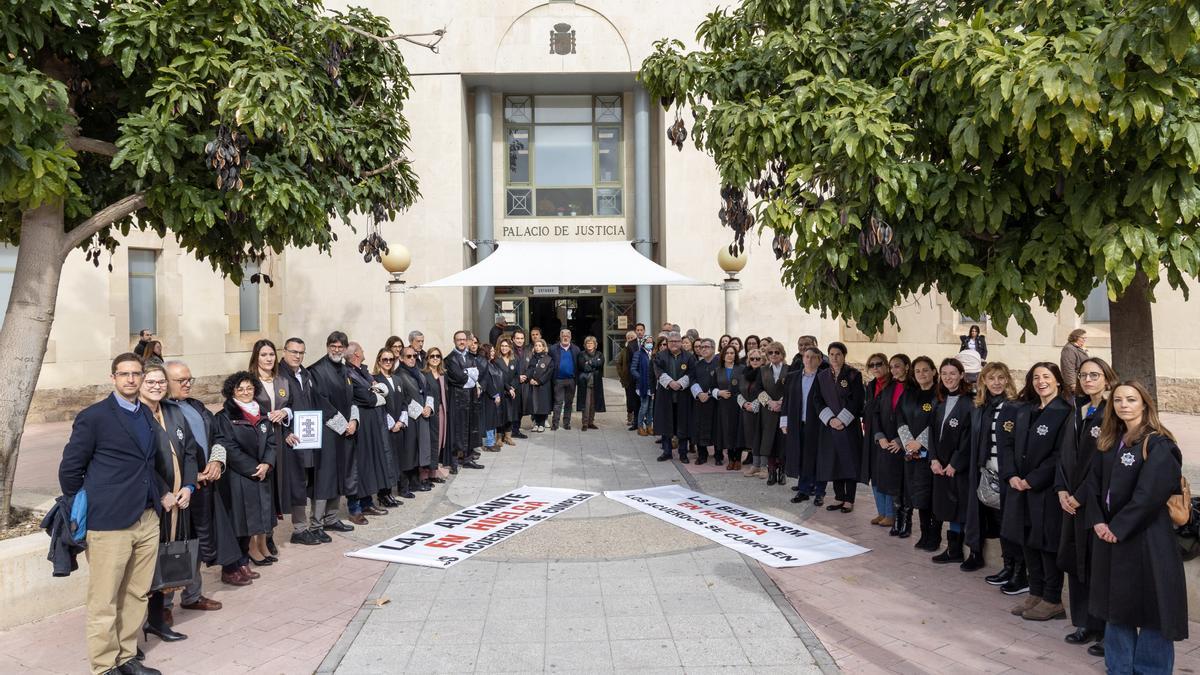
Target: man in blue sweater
(563,356)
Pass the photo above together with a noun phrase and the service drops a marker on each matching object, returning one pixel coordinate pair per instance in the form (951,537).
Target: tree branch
(385,168)
(102,219)
(92,145)
(431,45)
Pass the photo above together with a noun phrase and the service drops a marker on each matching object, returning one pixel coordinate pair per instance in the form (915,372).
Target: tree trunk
(1132,328)
(26,330)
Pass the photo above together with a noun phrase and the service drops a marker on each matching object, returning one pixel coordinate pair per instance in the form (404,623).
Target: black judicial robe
(589,364)
(337,451)
(538,398)
(374,466)
(395,402)
(728,413)
(879,417)
(704,415)
(302,392)
(211,522)
(462,403)
(1074,470)
(492,378)
(247,445)
(511,404)
(951,445)
(981,432)
(748,389)
(672,408)
(281,390)
(770,437)
(174,439)
(916,413)
(420,438)
(800,442)
(1139,580)
(839,453)
(1034,517)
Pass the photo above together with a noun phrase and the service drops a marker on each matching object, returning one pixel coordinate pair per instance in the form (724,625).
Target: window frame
(153,277)
(249,269)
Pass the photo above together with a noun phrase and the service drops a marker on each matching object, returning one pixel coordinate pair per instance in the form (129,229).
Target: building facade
(529,125)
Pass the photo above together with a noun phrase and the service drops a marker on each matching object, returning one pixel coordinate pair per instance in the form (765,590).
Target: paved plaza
(599,588)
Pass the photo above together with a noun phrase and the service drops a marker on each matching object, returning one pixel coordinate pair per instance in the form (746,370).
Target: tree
(1000,151)
(240,127)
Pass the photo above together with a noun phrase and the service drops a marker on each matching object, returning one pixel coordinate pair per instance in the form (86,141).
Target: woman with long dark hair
(728,374)
(747,399)
(440,419)
(914,417)
(1095,380)
(1032,514)
(950,458)
(1137,582)
(396,421)
(510,400)
(275,399)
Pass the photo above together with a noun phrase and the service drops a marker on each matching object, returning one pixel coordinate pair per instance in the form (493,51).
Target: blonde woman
(539,392)
(589,373)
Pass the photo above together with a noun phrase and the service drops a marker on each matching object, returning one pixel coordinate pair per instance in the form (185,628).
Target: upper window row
(562,109)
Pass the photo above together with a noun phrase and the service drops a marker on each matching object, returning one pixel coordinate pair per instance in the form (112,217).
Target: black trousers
(1080,617)
(1012,550)
(564,401)
(201,508)
(843,490)
(1045,579)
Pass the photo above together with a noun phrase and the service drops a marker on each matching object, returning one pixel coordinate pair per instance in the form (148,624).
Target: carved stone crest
(562,39)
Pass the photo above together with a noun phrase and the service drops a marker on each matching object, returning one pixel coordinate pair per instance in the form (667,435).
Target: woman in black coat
(1096,380)
(1137,581)
(950,458)
(974,340)
(396,421)
(887,468)
(839,407)
(510,400)
(242,429)
(914,417)
(491,401)
(1032,514)
(729,375)
(879,389)
(375,468)
(747,399)
(538,394)
(589,382)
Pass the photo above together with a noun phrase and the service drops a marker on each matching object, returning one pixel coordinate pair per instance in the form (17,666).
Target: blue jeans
(884,504)
(808,486)
(356,504)
(645,415)
(1128,650)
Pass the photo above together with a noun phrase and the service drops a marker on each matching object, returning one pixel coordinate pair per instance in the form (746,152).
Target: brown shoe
(650,430)
(750,471)
(1029,603)
(642,431)
(876,519)
(507,439)
(235,579)
(886,521)
(1044,611)
(248,573)
(203,604)
(737,466)
(358,519)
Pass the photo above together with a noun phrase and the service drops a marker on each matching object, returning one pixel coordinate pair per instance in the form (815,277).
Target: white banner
(767,539)
(461,535)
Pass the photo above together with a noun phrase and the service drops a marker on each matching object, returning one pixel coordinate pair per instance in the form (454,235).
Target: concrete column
(641,195)
(731,286)
(484,230)
(396,289)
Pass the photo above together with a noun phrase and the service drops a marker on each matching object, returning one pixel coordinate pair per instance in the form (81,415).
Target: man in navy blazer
(563,355)
(110,455)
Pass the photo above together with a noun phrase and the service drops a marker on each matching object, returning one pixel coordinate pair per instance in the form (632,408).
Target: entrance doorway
(582,315)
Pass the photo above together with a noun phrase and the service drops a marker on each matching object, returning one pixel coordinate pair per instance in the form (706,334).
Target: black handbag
(178,558)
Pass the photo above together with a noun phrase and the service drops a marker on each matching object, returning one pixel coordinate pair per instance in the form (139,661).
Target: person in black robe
(373,468)
(439,423)
(747,399)
(728,373)
(275,400)
(914,417)
(879,376)
(992,423)
(513,367)
(950,457)
(243,431)
(402,465)
(419,403)
(462,387)
(589,383)
(538,395)
(704,402)
(1032,513)
(522,350)
(1137,578)
(493,391)
(801,437)
(672,402)
(772,380)
(300,471)
(839,404)
(337,438)
(1096,380)
(887,467)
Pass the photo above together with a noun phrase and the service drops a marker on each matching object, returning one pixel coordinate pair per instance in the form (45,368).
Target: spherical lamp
(397,260)
(731,264)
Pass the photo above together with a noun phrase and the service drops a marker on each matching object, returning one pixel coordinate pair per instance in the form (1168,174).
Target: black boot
(1019,583)
(931,532)
(905,530)
(702,456)
(1004,575)
(973,562)
(954,549)
(897,521)
(926,529)
(771,472)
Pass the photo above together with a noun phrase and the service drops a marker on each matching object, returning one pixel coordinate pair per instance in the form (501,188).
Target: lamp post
(396,262)
(731,265)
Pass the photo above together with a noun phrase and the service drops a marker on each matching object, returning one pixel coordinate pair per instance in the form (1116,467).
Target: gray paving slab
(600,588)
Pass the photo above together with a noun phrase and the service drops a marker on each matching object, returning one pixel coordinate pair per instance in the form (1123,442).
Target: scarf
(249,410)
(416,376)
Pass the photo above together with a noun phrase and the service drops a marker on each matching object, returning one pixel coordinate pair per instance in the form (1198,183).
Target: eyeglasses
(1091,376)
(755,358)
(244,389)
(386,360)
(128,374)
(293,352)
(185,382)
(431,357)
(154,384)
(875,364)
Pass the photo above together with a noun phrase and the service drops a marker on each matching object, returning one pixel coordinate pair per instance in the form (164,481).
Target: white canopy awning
(602,263)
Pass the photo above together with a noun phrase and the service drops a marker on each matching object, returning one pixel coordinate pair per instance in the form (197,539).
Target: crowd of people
(1072,483)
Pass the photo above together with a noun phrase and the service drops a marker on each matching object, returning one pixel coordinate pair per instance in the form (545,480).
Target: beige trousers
(121,569)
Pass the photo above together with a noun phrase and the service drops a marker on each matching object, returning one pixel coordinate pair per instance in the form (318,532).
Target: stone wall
(61,405)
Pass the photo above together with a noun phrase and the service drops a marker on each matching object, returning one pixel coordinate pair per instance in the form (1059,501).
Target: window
(565,156)
(248,319)
(1095,307)
(8,268)
(963,318)
(143,293)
